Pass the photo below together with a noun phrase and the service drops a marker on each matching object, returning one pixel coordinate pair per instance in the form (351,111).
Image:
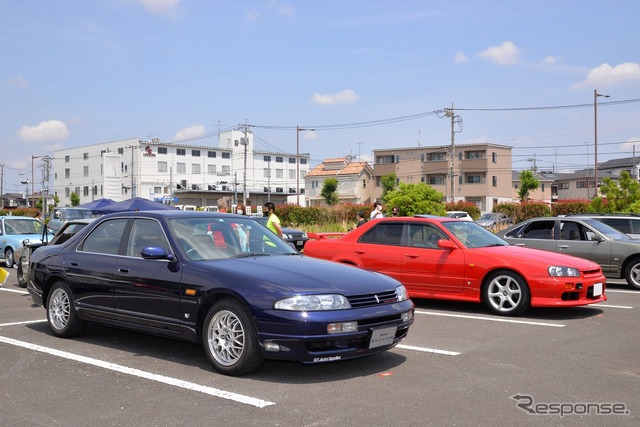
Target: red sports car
(443,258)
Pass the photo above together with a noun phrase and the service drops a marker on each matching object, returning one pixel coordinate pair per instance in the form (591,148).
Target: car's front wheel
(8,257)
(632,273)
(61,314)
(22,276)
(506,293)
(230,339)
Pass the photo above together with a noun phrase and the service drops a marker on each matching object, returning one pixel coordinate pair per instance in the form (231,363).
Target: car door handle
(412,255)
(360,252)
(564,246)
(123,270)
(74,263)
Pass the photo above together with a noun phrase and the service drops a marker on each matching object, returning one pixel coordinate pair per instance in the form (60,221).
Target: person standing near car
(243,233)
(377,211)
(360,218)
(273,224)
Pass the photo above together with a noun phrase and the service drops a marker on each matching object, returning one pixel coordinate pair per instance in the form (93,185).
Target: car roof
(17,217)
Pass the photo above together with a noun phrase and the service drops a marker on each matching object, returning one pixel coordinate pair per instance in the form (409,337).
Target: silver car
(617,253)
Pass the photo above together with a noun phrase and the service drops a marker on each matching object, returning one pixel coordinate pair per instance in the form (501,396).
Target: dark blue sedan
(219,279)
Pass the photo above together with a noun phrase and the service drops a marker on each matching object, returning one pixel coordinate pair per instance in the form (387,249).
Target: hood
(300,274)
(518,254)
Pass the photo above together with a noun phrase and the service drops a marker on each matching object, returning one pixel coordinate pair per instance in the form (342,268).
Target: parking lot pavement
(460,365)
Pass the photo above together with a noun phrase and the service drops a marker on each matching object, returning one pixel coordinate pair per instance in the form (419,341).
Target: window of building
(181,167)
(67,192)
(581,184)
(157,190)
(437,157)
(494,181)
(226,155)
(195,153)
(436,179)
(121,150)
(162,150)
(279,190)
(473,155)
(542,187)
(292,174)
(564,185)
(226,170)
(385,159)
(279,174)
(195,168)
(67,159)
(67,173)
(292,160)
(474,179)
(303,161)
(181,152)
(211,154)
(267,173)
(211,169)
(494,157)
(364,183)
(85,170)
(85,190)
(279,159)
(85,156)
(162,167)
(195,187)
(267,158)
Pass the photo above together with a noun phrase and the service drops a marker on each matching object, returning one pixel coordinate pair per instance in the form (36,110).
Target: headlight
(287,236)
(401,293)
(558,271)
(313,303)
(304,235)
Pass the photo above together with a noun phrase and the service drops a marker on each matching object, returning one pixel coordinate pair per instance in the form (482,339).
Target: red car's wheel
(506,293)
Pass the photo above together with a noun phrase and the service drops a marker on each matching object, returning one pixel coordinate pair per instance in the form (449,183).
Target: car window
(22,226)
(537,230)
(621,224)
(424,236)
(384,234)
(146,233)
(105,238)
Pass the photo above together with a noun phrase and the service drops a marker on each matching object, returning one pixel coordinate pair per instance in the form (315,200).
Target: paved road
(460,366)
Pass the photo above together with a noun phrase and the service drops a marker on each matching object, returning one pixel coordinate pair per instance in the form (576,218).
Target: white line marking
(22,323)
(428,350)
(613,306)
(620,291)
(493,319)
(14,291)
(142,374)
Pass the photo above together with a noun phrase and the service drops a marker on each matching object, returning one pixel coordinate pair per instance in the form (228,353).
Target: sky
(364,75)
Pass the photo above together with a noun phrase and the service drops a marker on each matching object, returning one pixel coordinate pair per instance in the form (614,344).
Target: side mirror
(154,252)
(447,244)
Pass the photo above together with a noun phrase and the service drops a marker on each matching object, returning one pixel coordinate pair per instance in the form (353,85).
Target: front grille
(369,300)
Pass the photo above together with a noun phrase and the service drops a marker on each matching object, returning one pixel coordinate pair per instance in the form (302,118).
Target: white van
(211,209)
(186,207)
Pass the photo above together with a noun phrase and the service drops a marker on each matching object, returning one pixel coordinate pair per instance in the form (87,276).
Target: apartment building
(354,181)
(475,173)
(179,173)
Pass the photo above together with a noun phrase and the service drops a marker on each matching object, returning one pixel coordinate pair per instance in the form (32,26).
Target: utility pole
(1,185)
(245,142)
(455,119)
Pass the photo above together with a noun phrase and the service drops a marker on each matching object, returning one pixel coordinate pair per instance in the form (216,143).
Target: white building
(192,174)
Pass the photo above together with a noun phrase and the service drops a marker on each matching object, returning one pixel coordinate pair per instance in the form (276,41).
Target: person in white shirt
(377,211)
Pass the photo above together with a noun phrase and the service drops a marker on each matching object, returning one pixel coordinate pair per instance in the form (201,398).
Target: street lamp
(298,129)
(595,135)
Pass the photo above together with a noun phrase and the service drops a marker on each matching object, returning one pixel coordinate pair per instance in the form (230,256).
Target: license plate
(299,243)
(597,289)
(382,336)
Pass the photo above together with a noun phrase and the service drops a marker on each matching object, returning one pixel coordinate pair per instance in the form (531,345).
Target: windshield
(78,214)
(22,226)
(489,216)
(473,235)
(207,238)
(605,229)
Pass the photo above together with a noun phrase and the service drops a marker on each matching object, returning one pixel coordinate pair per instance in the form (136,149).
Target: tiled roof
(353,168)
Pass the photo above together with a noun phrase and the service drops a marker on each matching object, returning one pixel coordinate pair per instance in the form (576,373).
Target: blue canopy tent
(135,204)
(96,206)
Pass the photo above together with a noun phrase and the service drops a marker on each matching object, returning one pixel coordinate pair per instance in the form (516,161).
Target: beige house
(354,181)
(476,173)
(547,191)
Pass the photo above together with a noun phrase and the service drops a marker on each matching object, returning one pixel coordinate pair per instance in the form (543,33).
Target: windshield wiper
(247,255)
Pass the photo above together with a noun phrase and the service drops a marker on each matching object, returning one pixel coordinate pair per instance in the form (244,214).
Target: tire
(506,293)
(632,273)
(22,277)
(230,339)
(8,257)
(61,314)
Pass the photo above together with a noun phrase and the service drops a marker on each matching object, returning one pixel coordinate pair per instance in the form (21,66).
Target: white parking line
(613,306)
(259,403)
(428,350)
(620,291)
(14,291)
(492,319)
(26,322)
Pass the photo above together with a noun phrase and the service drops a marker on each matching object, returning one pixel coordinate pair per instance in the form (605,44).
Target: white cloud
(551,60)
(281,8)
(460,58)
(47,131)
(627,146)
(310,135)
(190,132)
(17,81)
(505,54)
(160,7)
(606,75)
(346,96)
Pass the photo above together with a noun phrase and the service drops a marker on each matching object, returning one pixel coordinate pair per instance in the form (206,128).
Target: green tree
(75,199)
(621,196)
(388,183)
(415,199)
(329,191)
(528,182)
